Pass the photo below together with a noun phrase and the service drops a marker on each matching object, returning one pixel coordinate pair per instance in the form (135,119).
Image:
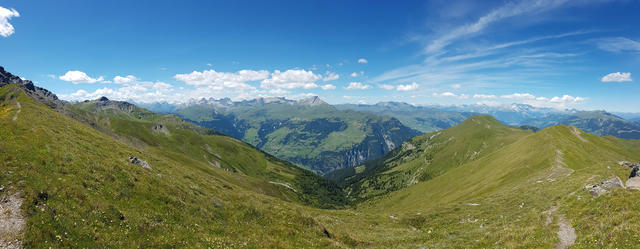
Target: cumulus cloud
(328,87)
(329,76)
(357,86)
(124,79)
(484,96)
(411,87)
(386,87)
(219,81)
(6,29)
(518,96)
(450,95)
(617,77)
(278,91)
(354,74)
(291,79)
(140,92)
(363,61)
(77,77)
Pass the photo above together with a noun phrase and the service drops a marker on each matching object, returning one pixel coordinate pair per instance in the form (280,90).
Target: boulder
(605,186)
(137,161)
(633,183)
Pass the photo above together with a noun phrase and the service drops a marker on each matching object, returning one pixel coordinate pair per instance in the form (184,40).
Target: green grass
(101,200)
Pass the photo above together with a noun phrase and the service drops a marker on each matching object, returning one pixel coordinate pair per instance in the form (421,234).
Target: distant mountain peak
(103,98)
(311,101)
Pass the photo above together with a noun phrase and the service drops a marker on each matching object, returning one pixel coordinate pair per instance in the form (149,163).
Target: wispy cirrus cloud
(618,44)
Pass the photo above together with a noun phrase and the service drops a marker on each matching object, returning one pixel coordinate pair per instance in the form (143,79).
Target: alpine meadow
(319,124)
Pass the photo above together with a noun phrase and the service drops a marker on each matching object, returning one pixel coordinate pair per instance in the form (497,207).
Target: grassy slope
(90,184)
(499,200)
(184,139)
(425,157)
(81,191)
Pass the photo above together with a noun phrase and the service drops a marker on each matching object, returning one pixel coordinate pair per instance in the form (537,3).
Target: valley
(478,184)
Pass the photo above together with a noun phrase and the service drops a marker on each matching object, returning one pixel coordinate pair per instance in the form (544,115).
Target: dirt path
(577,132)
(560,168)
(566,233)
(15,117)
(11,221)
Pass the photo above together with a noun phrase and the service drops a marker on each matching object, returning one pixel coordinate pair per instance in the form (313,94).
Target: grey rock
(135,160)
(605,186)
(635,171)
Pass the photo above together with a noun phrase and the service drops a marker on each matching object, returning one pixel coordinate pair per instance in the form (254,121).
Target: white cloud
(617,77)
(357,86)
(278,91)
(411,87)
(291,79)
(445,94)
(220,81)
(354,74)
(363,61)
(618,44)
(484,96)
(328,87)
(77,77)
(139,92)
(124,79)
(518,96)
(450,95)
(386,87)
(6,29)
(329,76)
(508,10)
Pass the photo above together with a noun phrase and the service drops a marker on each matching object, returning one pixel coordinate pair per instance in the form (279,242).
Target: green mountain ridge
(423,119)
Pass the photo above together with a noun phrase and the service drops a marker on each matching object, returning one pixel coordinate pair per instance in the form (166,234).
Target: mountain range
(308,132)
(104,173)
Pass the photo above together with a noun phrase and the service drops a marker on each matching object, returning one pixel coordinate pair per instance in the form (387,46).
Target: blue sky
(557,53)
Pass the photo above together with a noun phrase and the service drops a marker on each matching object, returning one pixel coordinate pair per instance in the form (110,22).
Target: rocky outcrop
(41,95)
(135,160)
(634,177)
(160,129)
(605,186)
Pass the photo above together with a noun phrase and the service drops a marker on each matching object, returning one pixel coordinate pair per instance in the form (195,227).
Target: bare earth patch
(11,221)
(19,109)
(577,132)
(566,233)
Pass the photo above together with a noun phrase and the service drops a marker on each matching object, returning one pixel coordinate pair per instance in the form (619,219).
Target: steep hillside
(308,132)
(424,119)
(177,138)
(425,157)
(528,193)
(79,188)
